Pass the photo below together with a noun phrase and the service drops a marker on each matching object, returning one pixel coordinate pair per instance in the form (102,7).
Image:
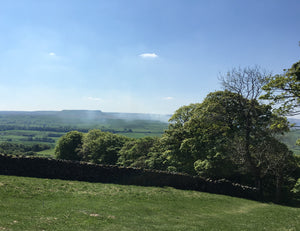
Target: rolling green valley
(44,128)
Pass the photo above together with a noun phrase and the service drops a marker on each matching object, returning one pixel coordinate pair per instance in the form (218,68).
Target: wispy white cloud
(94,98)
(149,55)
(168,98)
(52,54)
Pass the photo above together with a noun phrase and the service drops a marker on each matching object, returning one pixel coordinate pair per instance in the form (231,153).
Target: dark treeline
(4,127)
(38,139)
(21,149)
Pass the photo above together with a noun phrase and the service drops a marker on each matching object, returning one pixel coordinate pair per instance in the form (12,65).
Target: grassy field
(42,204)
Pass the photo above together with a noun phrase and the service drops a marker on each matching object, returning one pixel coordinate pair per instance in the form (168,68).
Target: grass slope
(42,204)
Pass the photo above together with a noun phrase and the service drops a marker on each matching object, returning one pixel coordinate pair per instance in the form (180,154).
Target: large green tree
(199,135)
(278,161)
(224,135)
(257,119)
(180,159)
(283,91)
(214,126)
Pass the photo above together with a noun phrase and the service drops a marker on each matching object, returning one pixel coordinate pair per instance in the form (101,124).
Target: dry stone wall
(81,171)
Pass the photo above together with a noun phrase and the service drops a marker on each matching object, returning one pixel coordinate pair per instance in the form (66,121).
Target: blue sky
(149,56)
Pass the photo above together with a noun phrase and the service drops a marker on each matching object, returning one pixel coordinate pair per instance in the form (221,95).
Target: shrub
(102,147)
(296,189)
(69,146)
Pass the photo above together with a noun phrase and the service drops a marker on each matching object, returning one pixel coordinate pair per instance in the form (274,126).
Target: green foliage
(228,135)
(217,166)
(158,157)
(102,147)
(176,138)
(277,165)
(135,152)
(284,90)
(296,189)
(295,70)
(258,126)
(107,148)
(146,152)
(69,146)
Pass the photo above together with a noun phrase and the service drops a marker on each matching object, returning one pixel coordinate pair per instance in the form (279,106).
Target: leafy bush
(296,189)
(102,147)
(135,152)
(69,146)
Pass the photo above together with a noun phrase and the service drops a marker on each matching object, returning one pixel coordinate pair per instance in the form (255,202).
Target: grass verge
(43,204)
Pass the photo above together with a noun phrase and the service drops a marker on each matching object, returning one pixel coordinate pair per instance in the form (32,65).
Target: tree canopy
(138,152)
(69,146)
(102,147)
(215,132)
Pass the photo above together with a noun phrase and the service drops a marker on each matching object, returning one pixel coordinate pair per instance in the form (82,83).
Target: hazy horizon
(91,110)
(136,56)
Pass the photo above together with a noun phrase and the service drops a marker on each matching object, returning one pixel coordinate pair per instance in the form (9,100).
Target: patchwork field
(42,204)
(44,127)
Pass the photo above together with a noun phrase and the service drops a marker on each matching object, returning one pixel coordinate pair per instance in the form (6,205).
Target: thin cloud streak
(149,55)
(94,99)
(168,98)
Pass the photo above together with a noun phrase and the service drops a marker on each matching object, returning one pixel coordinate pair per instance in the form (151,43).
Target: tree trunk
(278,189)
(259,186)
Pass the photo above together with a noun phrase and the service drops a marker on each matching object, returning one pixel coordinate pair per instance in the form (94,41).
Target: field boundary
(82,171)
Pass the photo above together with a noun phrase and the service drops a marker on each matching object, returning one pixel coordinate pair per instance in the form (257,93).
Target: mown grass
(43,204)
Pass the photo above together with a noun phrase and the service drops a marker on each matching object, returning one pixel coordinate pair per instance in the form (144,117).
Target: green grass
(43,204)
(47,153)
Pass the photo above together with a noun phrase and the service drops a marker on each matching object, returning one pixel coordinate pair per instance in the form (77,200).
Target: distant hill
(130,124)
(90,115)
